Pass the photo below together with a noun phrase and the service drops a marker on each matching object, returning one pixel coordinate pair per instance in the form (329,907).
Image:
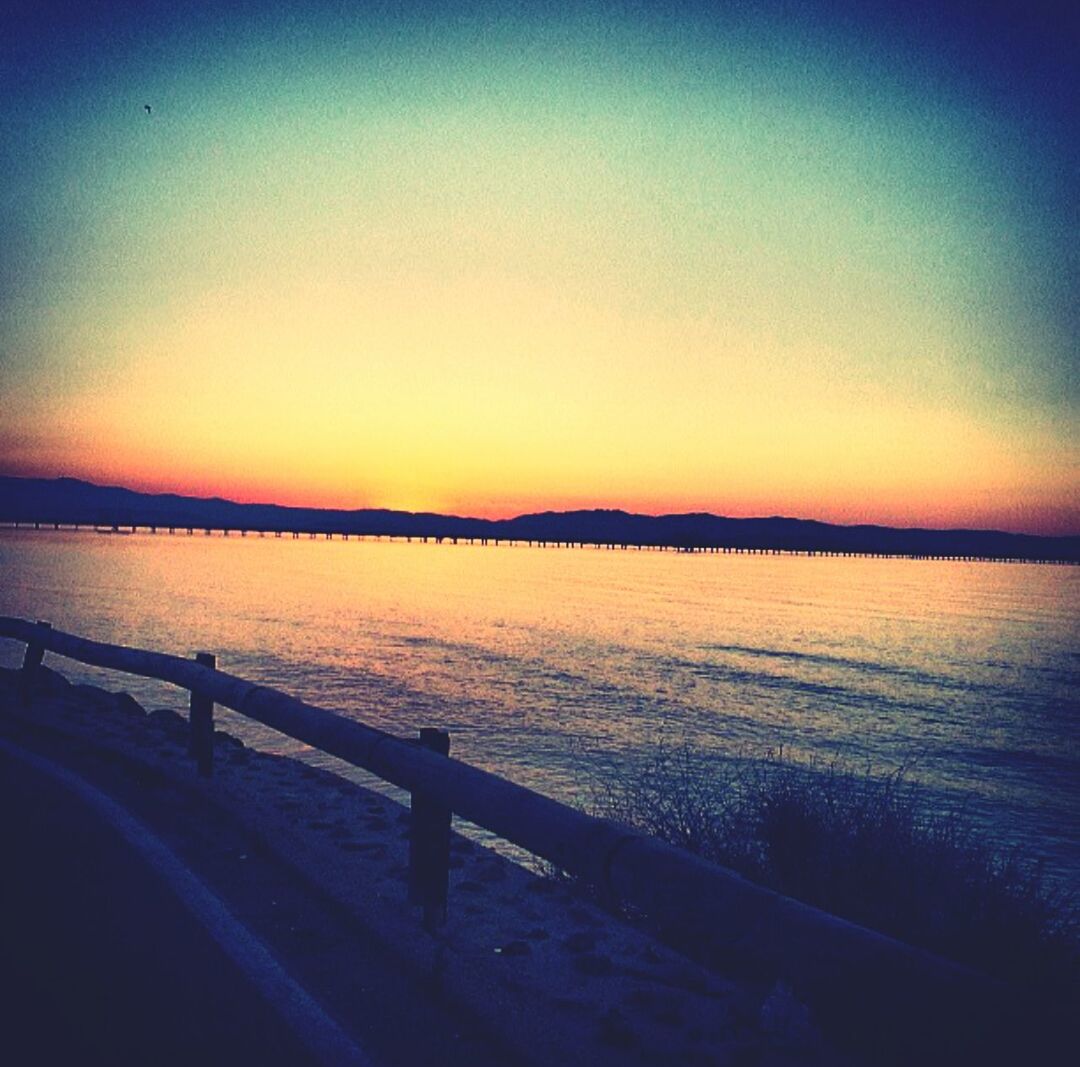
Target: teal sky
(497,259)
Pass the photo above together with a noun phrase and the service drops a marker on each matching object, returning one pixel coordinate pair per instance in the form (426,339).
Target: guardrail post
(31,661)
(202,722)
(429,843)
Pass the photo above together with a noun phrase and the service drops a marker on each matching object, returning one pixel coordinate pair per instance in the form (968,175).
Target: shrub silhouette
(866,846)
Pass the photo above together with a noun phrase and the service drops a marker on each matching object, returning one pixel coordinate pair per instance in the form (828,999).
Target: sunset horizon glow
(491,260)
(1015,522)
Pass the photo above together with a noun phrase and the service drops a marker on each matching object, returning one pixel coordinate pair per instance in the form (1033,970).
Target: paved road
(117,892)
(102,961)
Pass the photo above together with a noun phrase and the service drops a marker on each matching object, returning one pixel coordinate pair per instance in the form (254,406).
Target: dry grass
(868,847)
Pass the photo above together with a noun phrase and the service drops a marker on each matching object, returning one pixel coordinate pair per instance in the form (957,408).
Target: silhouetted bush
(868,847)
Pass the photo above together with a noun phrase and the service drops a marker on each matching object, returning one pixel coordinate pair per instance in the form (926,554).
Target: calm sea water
(538,659)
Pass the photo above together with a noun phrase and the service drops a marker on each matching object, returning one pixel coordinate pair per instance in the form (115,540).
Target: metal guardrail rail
(897,997)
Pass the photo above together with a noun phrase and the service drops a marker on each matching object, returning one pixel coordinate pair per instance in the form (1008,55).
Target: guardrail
(899,999)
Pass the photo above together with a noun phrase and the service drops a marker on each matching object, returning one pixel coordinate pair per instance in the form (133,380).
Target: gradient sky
(816,260)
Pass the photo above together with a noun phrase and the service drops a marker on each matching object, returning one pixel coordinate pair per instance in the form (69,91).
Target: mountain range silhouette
(69,501)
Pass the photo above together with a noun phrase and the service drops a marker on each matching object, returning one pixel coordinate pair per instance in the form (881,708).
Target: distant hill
(70,501)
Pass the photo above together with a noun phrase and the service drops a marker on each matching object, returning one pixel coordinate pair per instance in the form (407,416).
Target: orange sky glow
(515,265)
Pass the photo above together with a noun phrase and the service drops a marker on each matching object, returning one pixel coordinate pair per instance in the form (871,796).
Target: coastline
(527,969)
(67,502)
(523,965)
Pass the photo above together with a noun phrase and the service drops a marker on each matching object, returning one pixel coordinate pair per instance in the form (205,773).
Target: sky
(817,259)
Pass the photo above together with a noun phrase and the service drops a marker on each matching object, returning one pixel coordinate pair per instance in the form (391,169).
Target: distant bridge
(299,532)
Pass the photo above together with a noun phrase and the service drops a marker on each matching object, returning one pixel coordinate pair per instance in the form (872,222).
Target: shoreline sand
(523,971)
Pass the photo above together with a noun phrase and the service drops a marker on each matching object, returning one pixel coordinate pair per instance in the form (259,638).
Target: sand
(524,967)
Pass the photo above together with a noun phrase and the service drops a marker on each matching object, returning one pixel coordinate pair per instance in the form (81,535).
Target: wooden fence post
(31,661)
(429,843)
(202,722)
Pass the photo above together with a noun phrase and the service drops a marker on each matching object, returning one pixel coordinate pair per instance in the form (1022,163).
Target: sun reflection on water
(532,657)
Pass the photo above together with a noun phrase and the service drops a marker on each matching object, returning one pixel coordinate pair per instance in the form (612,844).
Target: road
(138,928)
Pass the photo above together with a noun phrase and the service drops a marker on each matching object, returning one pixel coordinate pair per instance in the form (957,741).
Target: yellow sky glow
(609,268)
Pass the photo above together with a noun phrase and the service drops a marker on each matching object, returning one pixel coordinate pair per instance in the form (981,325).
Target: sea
(557,666)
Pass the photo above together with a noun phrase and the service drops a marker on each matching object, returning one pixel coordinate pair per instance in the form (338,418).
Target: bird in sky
(146,108)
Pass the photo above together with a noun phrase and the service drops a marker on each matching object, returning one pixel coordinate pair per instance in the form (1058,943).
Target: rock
(46,680)
(96,698)
(128,705)
(169,722)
